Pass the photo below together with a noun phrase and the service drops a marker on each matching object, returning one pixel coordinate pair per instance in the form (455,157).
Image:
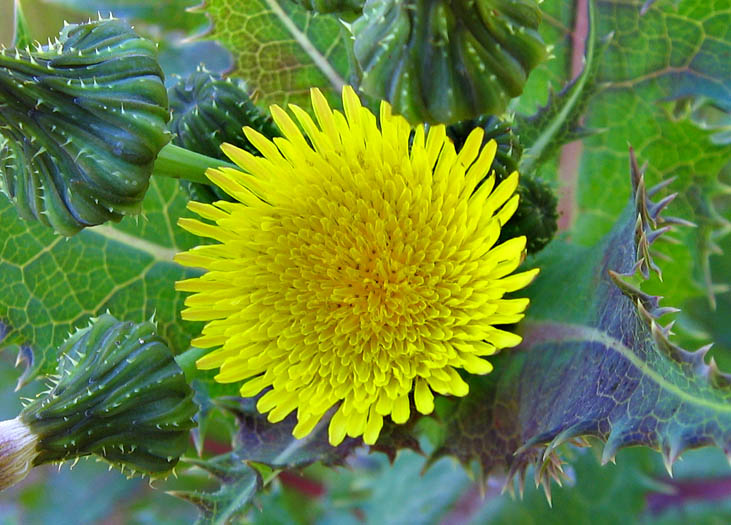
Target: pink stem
(568,168)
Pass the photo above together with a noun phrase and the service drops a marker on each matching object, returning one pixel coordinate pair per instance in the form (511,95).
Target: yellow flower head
(356,267)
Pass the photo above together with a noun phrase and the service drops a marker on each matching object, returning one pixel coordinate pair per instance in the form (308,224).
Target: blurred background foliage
(636,489)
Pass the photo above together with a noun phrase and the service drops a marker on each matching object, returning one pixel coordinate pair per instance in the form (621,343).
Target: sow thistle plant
(372,266)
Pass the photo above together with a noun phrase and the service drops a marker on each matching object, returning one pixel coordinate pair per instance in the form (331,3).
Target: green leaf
(632,491)
(558,122)
(22,37)
(239,483)
(167,14)
(52,285)
(258,442)
(669,52)
(598,365)
(393,494)
(280,49)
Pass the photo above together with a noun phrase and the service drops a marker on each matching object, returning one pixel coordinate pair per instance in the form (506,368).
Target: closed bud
(81,123)
(119,395)
(440,61)
(208,111)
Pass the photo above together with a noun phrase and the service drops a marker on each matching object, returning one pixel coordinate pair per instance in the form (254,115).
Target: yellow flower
(356,267)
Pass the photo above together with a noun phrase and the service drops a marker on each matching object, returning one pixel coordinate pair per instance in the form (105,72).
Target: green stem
(186,361)
(179,163)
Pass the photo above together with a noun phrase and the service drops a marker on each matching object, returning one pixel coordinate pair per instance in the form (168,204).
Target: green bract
(443,61)
(82,121)
(120,395)
(536,216)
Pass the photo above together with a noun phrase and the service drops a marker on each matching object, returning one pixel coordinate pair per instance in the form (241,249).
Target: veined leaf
(280,49)
(594,362)
(659,52)
(670,51)
(51,285)
(239,483)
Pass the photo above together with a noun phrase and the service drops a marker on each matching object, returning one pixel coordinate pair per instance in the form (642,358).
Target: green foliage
(257,442)
(666,53)
(21,36)
(280,49)
(239,483)
(55,284)
(342,7)
(558,122)
(168,14)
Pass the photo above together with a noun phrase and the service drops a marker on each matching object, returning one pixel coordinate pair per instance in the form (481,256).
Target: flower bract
(357,270)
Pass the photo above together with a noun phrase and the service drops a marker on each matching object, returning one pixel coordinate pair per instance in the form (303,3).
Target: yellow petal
(401,410)
(423,398)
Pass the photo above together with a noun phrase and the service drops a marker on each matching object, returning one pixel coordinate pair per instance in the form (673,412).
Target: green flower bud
(208,111)
(119,394)
(509,149)
(536,216)
(442,61)
(81,122)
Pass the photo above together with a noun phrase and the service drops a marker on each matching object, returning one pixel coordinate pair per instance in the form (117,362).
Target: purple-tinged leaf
(594,362)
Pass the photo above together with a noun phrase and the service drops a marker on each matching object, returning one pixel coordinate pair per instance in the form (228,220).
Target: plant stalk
(179,163)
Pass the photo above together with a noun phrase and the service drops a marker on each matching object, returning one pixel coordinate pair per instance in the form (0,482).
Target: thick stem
(180,163)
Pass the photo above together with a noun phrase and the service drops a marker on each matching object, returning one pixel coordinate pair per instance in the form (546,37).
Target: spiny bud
(441,61)
(208,111)
(119,395)
(509,149)
(81,123)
